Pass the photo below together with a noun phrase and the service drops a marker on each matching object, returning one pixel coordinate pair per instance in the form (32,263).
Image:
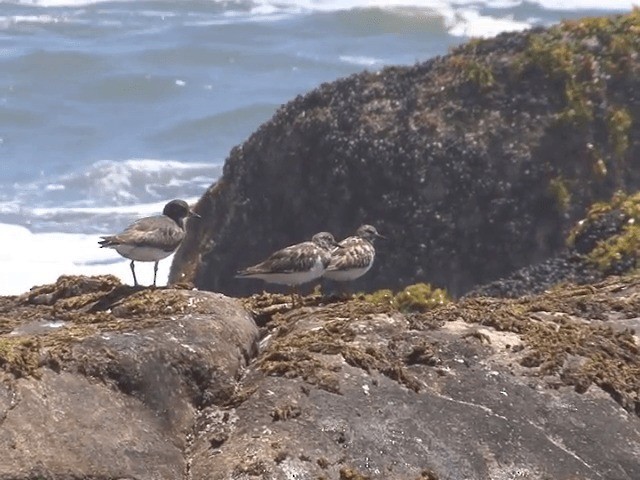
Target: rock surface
(474,164)
(101,380)
(606,242)
(150,384)
(542,387)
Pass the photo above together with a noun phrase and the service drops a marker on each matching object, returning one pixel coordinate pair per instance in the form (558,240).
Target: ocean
(109,109)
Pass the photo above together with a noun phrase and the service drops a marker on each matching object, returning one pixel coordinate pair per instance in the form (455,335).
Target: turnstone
(296,264)
(151,239)
(355,257)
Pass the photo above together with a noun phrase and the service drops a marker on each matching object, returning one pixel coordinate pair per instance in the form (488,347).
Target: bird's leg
(344,290)
(155,272)
(133,270)
(294,294)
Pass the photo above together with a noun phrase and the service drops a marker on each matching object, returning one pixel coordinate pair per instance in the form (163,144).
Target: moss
(19,356)
(560,192)
(579,108)
(294,354)
(480,74)
(418,297)
(87,306)
(347,473)
(618,125)
(381,297)
(472,69)
(600,169)
(620,250)
(564,54)
(550,334)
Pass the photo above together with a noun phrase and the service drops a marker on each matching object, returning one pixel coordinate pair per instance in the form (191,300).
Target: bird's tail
(246,273)
(107,242)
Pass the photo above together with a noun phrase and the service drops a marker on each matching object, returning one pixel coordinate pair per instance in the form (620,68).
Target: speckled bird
(296,264)
(355,256)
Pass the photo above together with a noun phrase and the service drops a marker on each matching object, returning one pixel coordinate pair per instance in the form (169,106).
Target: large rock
(473,164)
(103,381)
(100,380)
(543,387)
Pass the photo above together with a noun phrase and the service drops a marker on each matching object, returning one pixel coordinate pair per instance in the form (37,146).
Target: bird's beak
(381,237)
(193,214)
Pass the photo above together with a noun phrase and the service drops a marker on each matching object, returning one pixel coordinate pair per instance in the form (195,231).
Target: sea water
(109,109)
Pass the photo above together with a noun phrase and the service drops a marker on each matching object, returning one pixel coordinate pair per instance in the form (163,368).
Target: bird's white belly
(346,275)
(294,278)
(142,254)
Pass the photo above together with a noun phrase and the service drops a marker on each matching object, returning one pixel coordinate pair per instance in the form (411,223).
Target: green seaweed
(621,247)
(418,297)
(559,190)
(618,124)
(564,54)
(88,306)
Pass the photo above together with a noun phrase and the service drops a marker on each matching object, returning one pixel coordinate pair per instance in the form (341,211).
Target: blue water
(90,91)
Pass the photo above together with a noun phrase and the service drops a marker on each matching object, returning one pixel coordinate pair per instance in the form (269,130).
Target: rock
(542,387)
(474,164)
(101,380)
(606,242)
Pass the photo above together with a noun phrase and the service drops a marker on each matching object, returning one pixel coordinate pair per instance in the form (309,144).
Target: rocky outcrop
(104,381)
(543,387)
(101,380)
(606,242)
(473,164)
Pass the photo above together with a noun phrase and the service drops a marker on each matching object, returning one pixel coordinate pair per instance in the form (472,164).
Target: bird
(295,264)
(355,256)
(151,239)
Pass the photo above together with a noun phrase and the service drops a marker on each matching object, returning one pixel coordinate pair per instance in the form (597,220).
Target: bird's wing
(296,258)
(153,232)
(354,253)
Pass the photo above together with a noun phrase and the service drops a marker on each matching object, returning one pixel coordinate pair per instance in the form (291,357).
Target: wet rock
(474,164)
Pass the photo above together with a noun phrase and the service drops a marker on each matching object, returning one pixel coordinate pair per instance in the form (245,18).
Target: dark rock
(565,268)
(606,242)
(474,164)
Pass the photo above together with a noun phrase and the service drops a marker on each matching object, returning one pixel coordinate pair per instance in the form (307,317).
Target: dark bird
(151,239)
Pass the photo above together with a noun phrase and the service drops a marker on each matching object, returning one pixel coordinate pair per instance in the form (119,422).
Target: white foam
(65,3)
(469,23)
(30,259)
(360,60)
(134,186)
(42,19)
(586,4)
(308,6)
(461,17)
(271,7)
(139,209)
